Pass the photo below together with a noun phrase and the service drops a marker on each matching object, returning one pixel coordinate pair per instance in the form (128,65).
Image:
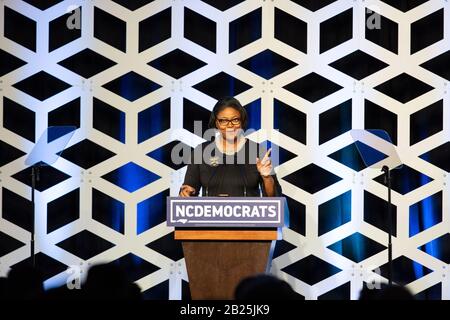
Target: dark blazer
(229,175)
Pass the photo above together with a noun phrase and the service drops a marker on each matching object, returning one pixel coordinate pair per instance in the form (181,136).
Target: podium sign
(252,212)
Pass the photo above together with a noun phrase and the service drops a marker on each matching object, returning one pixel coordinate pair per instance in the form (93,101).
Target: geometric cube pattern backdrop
(133,76)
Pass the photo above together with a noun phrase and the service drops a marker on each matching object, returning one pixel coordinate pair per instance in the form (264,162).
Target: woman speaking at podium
(230,164)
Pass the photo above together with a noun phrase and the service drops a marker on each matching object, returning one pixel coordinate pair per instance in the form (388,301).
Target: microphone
(244,177)
(209,180)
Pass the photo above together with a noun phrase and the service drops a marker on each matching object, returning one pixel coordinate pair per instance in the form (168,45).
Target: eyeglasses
(226,122)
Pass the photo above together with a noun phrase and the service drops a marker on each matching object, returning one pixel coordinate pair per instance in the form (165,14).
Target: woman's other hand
(186,191)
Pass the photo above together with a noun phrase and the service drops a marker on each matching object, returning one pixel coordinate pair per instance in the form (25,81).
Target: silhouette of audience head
(264,287)
(3,288)
(25,283)
(104,281)
(109,281)
(386,292)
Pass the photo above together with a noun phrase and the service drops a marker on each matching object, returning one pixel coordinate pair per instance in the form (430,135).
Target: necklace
(238,146)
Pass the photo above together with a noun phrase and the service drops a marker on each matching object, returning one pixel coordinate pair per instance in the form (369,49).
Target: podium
(219,253)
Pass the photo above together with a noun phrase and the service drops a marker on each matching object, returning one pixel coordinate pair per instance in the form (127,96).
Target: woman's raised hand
(264,165)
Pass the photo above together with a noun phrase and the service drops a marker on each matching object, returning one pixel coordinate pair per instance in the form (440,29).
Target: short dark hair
(224,103)
(264,287)
(386,292)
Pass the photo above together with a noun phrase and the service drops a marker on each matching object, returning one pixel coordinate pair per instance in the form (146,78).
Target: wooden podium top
(226,235)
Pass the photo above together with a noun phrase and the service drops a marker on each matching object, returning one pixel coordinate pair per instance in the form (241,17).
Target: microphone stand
(387,181)
(34,180)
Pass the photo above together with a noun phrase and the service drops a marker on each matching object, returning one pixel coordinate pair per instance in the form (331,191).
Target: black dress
(220,174)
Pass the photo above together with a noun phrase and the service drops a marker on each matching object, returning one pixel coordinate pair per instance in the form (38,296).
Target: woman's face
(229,123)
